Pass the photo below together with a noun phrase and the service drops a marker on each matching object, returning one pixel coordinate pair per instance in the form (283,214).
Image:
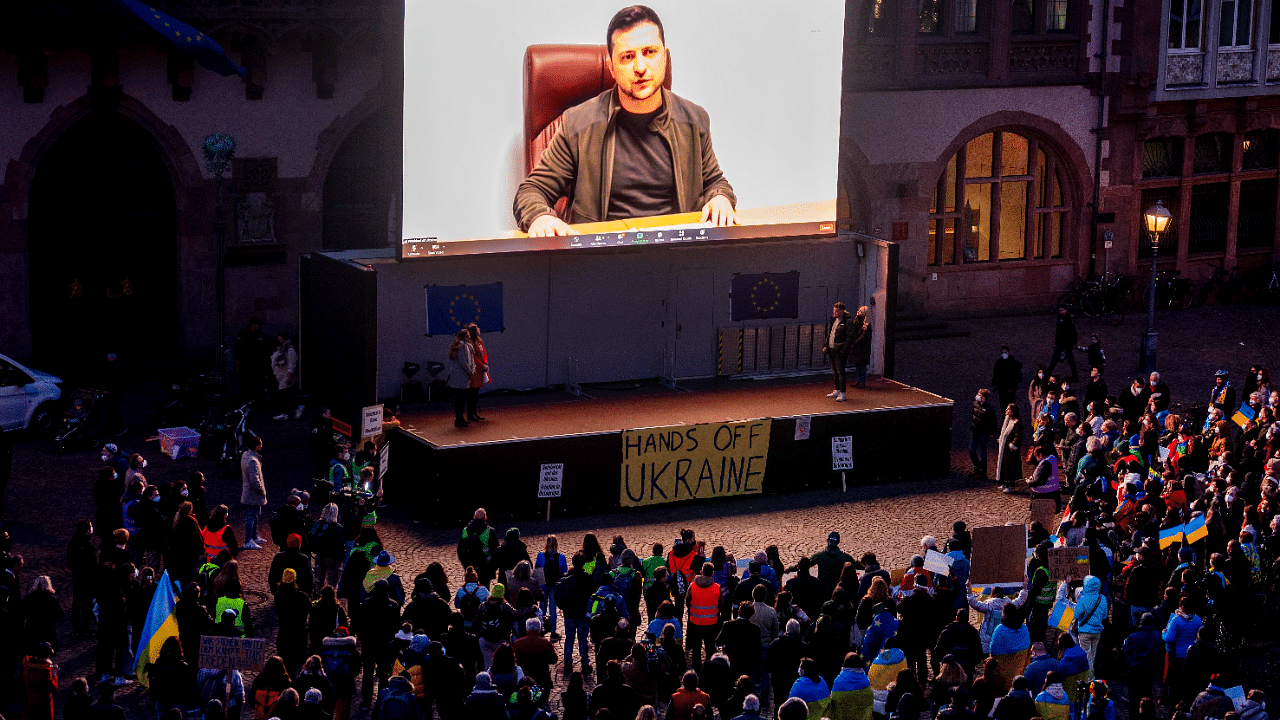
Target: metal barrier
(770,349)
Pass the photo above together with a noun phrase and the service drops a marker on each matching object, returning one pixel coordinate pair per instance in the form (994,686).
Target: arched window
(1000,198)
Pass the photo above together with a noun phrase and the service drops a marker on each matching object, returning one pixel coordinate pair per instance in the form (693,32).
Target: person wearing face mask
(1159,393)
(155,529)
(984,426)
(340,468)
(112,455)
(1006,376)
(1133,401)
(1035,391)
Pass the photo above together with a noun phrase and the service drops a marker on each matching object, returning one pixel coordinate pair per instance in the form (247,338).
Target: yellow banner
(688,462)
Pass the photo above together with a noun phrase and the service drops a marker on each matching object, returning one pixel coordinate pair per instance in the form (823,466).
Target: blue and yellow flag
(161,624)
(452,307)
(1244,415)
(187,39)
(1063,614)
(1169,536)
(1195,530)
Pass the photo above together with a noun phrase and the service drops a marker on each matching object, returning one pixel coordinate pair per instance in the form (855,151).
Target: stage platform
(897,432)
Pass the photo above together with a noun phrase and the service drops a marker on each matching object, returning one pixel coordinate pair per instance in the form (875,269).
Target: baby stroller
(74,430)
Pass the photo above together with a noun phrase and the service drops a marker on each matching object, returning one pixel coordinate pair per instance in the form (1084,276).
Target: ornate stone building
(107,207)
(967,135)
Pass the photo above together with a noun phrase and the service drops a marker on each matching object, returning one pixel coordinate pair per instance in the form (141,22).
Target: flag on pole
(1195,530)
(161,624)
(1063,614)
(1170,536)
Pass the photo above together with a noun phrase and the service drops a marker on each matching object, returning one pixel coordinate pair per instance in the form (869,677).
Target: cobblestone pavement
(49,493)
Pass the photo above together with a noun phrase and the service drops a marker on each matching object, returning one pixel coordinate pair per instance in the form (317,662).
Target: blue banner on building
(764,296)
(452,307)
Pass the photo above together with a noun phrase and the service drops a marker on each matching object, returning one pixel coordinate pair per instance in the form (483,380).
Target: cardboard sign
(842,452)
(1045,511)
(551,480)
(1068,563)
(802,427)
(999,555)
(229,653)
(371,421)
(693,462)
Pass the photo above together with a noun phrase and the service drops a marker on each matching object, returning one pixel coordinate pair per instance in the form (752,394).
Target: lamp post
(1156,219)
(219,148)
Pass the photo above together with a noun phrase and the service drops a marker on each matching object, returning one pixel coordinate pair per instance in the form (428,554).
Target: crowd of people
(1178,512)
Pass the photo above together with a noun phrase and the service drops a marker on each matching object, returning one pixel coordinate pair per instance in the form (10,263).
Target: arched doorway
(359,185)
(103,249)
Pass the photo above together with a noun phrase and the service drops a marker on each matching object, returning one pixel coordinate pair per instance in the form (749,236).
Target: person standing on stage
(860,351)
(479,376)
(840,336)
(462,355)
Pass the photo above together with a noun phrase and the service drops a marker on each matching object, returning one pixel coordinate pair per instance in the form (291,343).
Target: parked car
(28,398)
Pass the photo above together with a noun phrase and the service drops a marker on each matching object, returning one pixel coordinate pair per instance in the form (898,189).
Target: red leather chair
(557,77)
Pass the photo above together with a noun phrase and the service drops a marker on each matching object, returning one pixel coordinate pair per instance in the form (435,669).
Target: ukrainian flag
(1170,536)
(1063,614)
(883,671)
(161,624)
(1051,708)
(1195,530)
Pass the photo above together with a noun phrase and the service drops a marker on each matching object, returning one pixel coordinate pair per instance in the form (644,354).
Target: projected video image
(553,125)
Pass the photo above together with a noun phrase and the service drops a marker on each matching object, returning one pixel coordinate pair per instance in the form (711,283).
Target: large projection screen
(766,71)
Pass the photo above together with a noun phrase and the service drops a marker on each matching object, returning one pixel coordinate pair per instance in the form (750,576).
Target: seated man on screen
(637,150)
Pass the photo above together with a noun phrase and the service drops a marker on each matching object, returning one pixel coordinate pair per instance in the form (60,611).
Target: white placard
(842,452)
(371,421)
(551,480)
(802,426)
(384,459)
(936,562)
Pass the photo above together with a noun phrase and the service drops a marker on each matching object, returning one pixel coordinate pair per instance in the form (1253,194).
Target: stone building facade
(107,233)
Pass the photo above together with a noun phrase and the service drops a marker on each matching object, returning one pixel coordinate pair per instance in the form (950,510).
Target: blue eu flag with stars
(452,307)
(193,42)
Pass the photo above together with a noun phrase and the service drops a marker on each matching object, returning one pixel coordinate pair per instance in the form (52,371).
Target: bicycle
(1110,295)
(1172,291)
(1222,286)
(1258,287)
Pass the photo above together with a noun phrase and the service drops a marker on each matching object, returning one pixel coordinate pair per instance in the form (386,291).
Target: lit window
(999,198)
(966,16)
(931,17)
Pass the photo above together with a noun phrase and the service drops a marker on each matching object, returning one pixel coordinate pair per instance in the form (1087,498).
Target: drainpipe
(1097,137)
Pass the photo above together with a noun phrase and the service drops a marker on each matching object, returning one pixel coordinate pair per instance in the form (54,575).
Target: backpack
(623,580)
(470,545)
(469,603)
(492,625)
(599,604)
(396,704)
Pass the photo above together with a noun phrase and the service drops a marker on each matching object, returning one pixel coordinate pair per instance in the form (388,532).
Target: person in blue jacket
(1091,611)
(1178,636)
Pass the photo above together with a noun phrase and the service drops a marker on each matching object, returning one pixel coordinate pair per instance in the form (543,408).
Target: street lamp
(1156,219)
(219,148)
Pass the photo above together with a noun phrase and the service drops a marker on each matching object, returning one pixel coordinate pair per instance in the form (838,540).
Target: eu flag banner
(452,307)
(765,295)
(189,40)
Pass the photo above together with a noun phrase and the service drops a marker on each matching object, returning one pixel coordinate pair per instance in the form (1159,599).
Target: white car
(28,398)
